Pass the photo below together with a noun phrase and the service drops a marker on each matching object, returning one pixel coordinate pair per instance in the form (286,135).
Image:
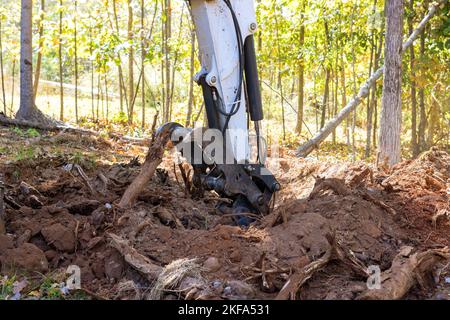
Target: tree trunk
(13,76)
(61,88)
(354,84)
(130,63)
(143,63)
(326,93)
(280,84)
(423,115)
(1,68)
(389,148)
(122,91)
(315,141)
(414,144)
(369,102)
(344,98)
(336,88)
(37,71)
(106,97)
(167,79)
(91,50)
(191,80)
(27,109)
(76,59)
(175,61)
(374,92)
(433,124)
(301,76)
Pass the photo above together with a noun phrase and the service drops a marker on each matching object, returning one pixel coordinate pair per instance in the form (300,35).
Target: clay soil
(61,205)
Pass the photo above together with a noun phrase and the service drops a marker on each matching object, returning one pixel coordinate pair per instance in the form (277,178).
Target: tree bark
(191,82)
(389,148)
(423,115)
(280,83)
(122,91)
(37,71)
(61,88)
(318,138)
(143,63)
(369,102)
(1,68)
(374,92)
(27,109)
(326,91)
(130,63)
(13,76)
(91,50)
(167,79)
(414,144)
(301,75)
(75,34)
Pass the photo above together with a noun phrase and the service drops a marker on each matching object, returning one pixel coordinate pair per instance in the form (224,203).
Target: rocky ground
(330,222)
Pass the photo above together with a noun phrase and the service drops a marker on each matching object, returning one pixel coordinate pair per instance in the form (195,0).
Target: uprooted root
(182,276)
(406,271)
(172,275)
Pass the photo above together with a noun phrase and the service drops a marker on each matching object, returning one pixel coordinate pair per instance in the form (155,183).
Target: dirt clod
(211,264)
(27,257)
(59,236)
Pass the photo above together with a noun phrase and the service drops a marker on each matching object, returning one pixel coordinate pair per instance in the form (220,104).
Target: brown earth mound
(331,221)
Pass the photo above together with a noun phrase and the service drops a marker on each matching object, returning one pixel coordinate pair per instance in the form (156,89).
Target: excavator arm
(220,154)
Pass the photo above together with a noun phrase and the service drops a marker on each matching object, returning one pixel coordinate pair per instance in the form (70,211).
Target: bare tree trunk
(163,61)
(1,68)
(122,91)
(191,78)
(354,85)
(61,88)
(301,75)
(373,50)
(143,63)
(374,99)
(433,124)
(414,144)
(13,76)
(175,61)
(344,98)
(326,91)
(389,148)
(27,109)
(37,71)
(106,97)
(319,137)
(76,59)
(98,95)
(280,84)
(167,36)
(91,50)
(130,63)
(423,115)
(336,88)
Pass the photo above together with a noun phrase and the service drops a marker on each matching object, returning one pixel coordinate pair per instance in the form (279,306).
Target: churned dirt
(60,207)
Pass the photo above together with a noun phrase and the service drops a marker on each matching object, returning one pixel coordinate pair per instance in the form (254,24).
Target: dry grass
(173,274)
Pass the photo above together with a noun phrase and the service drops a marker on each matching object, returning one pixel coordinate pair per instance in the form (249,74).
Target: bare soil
(62,202)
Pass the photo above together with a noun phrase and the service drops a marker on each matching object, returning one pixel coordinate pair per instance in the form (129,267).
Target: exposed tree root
(152,161)
(181,276)
(406,271)
(299,277)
